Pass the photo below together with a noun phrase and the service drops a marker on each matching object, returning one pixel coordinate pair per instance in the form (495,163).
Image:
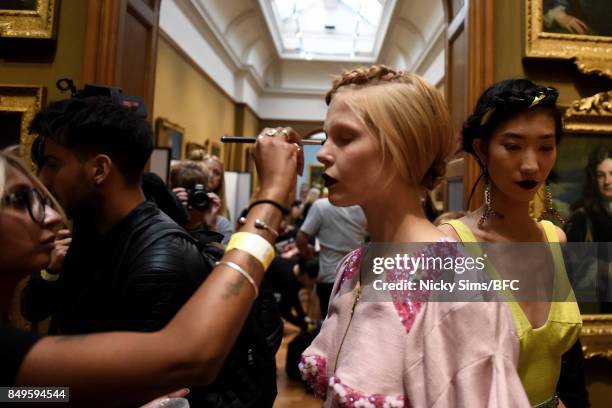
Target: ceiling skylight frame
(300,53)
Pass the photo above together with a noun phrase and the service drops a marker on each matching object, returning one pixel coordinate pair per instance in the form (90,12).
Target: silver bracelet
(260,224)
(241,271)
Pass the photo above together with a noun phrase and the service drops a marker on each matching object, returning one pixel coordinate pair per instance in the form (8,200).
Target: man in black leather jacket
(129,267)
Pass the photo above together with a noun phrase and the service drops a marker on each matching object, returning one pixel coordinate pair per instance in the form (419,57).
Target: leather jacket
(135,277)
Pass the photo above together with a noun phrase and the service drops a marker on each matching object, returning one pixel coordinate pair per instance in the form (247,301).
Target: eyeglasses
(29,198)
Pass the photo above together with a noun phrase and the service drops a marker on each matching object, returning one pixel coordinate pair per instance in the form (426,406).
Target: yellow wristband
(49,277)
(254,245)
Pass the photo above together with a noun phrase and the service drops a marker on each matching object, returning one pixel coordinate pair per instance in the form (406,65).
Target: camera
(116,94)
(198,197)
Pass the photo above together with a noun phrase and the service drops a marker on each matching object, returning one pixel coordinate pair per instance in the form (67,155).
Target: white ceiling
(232,39)
(328,30)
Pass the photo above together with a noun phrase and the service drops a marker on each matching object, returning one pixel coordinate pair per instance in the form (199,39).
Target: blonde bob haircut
(8,161)
(406,115)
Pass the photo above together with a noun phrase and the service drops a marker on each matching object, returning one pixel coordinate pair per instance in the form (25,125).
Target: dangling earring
(549,207)
(488,211)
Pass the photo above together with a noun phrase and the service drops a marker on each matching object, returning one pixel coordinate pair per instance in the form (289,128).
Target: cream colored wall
(186,97)
(68,59)
(251,123)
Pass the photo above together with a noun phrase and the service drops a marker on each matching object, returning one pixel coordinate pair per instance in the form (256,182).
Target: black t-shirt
(14,346)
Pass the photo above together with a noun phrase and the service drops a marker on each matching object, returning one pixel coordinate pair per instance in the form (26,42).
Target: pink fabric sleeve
(465,355)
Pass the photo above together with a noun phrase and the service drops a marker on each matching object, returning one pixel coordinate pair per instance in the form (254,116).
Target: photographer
(188,180)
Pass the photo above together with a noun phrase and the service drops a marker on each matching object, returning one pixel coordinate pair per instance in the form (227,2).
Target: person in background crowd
(303,192)
(156,191)
(389,137)
(289,227)
(248,377)
(185,176)
(339,230)
(216,184)
(591,221)
(311,197)
(513,134)
(121,368)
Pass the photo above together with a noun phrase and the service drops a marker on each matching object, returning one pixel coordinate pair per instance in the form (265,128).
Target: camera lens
(198,197)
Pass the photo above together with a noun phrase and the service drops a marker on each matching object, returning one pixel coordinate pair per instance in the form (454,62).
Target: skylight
(337,30)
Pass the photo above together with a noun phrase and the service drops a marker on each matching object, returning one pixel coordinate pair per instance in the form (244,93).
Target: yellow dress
(541,348)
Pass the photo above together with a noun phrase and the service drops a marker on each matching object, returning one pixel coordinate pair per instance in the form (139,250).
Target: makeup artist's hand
(278,156)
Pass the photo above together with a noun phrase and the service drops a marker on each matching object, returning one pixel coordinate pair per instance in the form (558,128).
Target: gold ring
(285,132)
(271,132)
(259,137)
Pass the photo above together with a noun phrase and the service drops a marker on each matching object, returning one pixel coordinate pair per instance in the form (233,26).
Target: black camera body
(198,197)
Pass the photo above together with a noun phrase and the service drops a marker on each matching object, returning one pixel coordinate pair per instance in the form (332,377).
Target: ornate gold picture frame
(596,336)
(591,115)
(28,18)
(591,53)
(592,118)
(21,103)
(171,135)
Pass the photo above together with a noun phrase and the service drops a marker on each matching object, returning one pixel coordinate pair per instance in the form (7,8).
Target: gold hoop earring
(488,210)
(549,207)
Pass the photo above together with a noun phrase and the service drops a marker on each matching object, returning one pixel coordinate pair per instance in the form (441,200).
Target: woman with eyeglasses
(122,368)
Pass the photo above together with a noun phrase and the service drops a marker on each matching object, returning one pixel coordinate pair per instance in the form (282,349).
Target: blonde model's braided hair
(366,76)
(412,123)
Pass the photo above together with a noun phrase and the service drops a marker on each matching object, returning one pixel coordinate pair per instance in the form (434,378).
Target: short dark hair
(95,125)
(504,100)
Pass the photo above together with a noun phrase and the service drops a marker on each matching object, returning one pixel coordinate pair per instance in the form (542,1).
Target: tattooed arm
(109,368)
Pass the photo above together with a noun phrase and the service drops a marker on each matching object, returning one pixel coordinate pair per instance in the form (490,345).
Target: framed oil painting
(587,129)
(170,135)
(580,30)
(28,18)
(587,126)
(315,176)
(18,106)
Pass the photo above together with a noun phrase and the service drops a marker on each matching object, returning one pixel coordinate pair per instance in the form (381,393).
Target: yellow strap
(467,236)
(550,231)
(254,245)
(463,231)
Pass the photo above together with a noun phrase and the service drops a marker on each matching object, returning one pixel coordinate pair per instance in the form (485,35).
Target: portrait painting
(582,17)
(28,19)
(170,135)
(577,30)
(572,157)
(18,106)
(315,175)
(21,5)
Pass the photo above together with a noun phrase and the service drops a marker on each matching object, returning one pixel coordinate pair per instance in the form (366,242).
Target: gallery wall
(186,96)
(66,62)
